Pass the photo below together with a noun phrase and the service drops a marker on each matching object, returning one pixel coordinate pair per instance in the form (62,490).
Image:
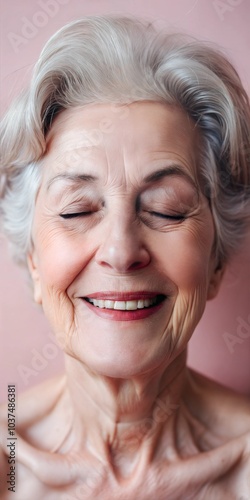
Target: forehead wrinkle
(66,134)
(126,152)
(69,144)
(116,173)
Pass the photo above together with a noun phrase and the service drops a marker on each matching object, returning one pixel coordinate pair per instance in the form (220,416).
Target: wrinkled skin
(128,420)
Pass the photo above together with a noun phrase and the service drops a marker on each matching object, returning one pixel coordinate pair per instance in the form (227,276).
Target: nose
(122,249)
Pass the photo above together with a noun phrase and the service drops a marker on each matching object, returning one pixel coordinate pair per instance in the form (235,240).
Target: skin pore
(120,214)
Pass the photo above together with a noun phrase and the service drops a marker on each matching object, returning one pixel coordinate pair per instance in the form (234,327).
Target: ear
(215,281)
(34,273)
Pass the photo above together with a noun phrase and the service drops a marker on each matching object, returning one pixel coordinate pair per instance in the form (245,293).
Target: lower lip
(116,315)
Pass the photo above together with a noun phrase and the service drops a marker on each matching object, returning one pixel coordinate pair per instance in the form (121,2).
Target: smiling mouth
(126,305)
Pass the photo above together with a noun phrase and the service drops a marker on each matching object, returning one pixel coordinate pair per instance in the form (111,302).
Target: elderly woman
(125,189)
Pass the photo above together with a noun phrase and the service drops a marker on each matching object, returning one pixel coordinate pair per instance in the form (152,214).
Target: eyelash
(74,215)
(156,214)
(167,216)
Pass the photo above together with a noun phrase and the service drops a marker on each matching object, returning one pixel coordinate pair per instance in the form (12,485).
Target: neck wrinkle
(116,420)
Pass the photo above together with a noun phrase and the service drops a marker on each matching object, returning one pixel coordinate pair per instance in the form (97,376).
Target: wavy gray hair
(122,60)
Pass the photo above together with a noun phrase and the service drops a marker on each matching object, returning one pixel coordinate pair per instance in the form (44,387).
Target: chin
(123,362)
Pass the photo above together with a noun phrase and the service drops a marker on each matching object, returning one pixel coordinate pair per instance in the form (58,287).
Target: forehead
(133,133)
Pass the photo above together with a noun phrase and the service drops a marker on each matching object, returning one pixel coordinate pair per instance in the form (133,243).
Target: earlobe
(215,281)
(34,273)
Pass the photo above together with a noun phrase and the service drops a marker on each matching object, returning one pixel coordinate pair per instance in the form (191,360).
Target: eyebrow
(170,170)
(73,178)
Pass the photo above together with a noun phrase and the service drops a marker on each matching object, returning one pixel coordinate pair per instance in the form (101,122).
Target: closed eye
(76,214)
(168,216)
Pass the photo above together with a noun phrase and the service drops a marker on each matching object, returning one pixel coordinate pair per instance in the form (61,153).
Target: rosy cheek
(188,273)
(55,275)
(61,261)
(186,258)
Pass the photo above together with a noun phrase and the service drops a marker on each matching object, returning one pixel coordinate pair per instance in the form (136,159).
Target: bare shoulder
(35,400)
(34,424)
(33,406)
(221,407)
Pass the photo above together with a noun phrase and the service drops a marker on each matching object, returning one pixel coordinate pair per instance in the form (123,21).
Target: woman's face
(123,236)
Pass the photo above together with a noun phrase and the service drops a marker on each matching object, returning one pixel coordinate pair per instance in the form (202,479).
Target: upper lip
(123,296)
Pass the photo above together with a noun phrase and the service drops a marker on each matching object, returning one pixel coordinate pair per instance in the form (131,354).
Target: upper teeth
(128,305)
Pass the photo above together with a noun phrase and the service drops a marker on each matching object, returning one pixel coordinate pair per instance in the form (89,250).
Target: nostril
(136,265)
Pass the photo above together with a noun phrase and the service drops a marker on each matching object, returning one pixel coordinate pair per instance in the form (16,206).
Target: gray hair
(106,59)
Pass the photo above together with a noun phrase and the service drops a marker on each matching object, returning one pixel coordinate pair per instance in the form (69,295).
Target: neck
(117,417)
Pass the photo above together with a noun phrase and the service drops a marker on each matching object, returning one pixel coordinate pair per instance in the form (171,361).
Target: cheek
(61,259)
(186,256)
(188,268)
(187,263)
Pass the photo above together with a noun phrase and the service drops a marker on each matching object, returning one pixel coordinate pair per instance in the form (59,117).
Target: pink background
(28,354)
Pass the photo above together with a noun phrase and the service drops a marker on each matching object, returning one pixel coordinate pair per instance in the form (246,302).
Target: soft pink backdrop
(220,347)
